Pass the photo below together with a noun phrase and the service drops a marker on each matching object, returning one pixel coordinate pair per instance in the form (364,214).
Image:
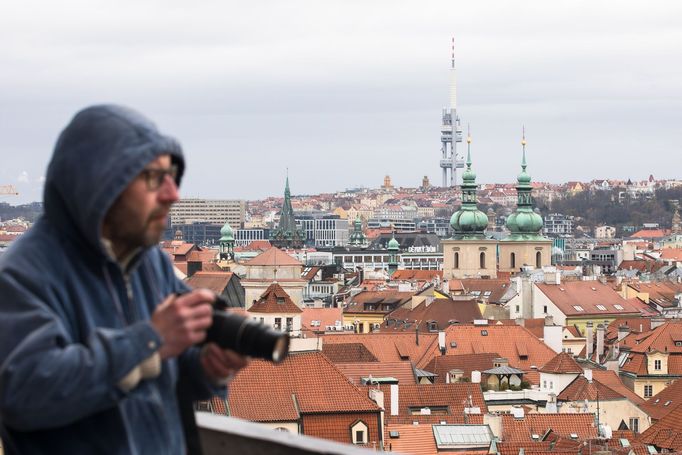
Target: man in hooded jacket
(93,334)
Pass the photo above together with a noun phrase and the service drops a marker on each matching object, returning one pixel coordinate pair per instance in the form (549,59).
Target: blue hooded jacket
(73,323)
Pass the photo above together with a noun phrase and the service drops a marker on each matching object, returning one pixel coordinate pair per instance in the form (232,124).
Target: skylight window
(618,307)
(487,293)
(601,307)
(578,308)
(667,403)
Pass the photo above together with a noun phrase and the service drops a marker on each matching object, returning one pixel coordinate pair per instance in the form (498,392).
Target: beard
(128,229)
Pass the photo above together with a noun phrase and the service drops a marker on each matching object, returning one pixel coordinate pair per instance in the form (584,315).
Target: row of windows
(512,260)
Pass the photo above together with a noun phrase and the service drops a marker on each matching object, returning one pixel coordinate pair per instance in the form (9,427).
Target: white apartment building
(214,211)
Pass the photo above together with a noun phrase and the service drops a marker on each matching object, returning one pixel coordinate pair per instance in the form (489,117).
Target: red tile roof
(347,352)
(379,301)
(602,387)
(453,397)
(539,447)
(514,343)
(674,254)
(304,383)
(203,255)
(215,281)
(391,347)
(442,364)
(402,371)
(650,233)
(587,295)
(562,363)
(667,432)
(418,275)
(275,300)
(497,288)
(326,317)
(413,439)
(441,311)
(272,257)
(256,245)
(536,326)
(661,404)
(563,424)
(309,273)
(636,325)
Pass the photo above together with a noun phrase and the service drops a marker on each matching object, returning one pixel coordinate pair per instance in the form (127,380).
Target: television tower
(450,132)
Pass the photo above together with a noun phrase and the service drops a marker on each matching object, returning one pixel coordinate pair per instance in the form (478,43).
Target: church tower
(469,254)
(287,235)
(525,245)
(357,237)
(226,242)
(393,252)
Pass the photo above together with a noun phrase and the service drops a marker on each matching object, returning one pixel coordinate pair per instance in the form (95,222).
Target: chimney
(476,377)
(441,342)
(657,322)
(394,399)
(520,321)
(623,331)
(586,373)
(377,396)
(446,287)
(600,341)
(517,412)
(589,339)
(552,334)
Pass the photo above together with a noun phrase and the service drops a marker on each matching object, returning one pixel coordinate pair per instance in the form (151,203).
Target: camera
(245,335)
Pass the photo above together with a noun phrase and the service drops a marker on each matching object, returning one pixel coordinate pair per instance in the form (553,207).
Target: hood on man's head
(96,157)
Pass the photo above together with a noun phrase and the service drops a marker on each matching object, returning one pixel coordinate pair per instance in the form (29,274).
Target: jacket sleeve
(47,380)
(197,384)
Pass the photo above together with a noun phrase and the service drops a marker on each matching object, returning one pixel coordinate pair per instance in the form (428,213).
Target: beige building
(214,211)
(269,267)
(469,258)
(604,232)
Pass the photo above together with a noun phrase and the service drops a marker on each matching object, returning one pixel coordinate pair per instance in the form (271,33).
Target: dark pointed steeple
(287,235)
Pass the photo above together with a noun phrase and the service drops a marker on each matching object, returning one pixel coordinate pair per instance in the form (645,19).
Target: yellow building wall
(651,362)
(657,385)
(525,252)
(364,320)
(611,412)
(469,258)
(582,322)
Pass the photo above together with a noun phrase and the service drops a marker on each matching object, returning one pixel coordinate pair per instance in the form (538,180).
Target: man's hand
(220,364)
(182,321)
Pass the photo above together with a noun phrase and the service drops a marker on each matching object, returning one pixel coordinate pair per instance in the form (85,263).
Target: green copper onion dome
(393,244)
(524,223)
(357,237)
(469,221)
(226,233)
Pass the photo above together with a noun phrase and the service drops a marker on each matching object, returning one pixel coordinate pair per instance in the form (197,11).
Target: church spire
(287,235)
(469,221)
(524,223)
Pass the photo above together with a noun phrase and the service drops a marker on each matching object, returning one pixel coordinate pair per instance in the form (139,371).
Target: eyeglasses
(154,178)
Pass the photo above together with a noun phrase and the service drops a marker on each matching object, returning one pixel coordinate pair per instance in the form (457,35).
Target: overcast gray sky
(345,92)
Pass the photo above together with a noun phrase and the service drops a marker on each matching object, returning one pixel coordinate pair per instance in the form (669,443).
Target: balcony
(220,435)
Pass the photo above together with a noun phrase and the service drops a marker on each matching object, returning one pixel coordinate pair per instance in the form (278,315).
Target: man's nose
(168,192)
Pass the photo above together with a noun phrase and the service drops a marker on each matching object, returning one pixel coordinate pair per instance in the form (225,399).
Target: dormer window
(280,300)
(358,432)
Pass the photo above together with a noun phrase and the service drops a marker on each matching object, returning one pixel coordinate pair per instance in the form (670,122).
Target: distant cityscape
(523,318)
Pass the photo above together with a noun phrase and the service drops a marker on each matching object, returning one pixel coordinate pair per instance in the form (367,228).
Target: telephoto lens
(245,335)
